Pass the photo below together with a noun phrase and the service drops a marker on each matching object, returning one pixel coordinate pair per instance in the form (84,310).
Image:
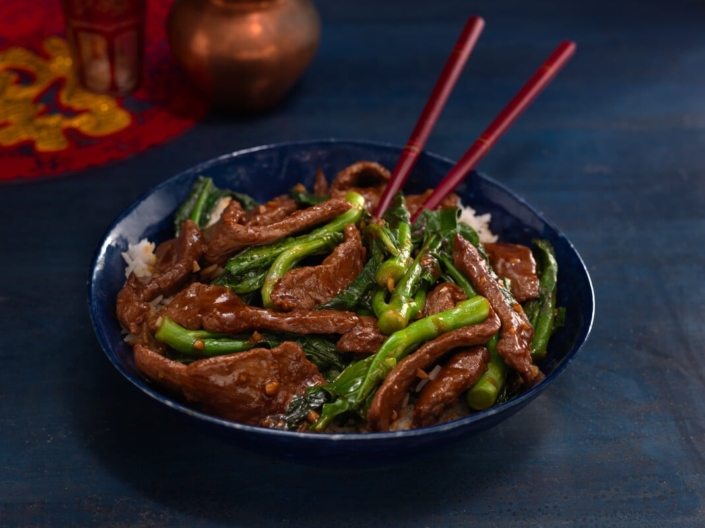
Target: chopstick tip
(569,45)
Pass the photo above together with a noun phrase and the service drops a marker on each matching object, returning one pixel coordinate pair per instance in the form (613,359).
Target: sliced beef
(189,305)
(246,387)
(414,201)
(273,211)
(177,259)
(131,310)
(443,297)
(229,235)
(516,263)
(364,338)
(514,344)
(235,318)
(366,178)
(308,287)
(458,374)
(389,398)
(320,184)
(297,321)
(219,309)
(166,373)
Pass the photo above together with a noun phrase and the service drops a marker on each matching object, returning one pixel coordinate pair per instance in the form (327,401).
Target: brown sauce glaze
(514,344)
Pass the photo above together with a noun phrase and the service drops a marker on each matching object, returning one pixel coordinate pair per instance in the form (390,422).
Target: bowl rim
(374,437)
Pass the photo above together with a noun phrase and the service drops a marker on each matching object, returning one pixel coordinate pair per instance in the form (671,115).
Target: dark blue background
(613,153)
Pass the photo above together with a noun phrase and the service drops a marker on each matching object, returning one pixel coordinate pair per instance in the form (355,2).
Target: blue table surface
(613,152)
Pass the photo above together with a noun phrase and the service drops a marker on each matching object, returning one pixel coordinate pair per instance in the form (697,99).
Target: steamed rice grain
(480,223)
(140,259)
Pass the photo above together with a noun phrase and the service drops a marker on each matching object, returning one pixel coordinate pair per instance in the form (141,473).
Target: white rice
(480,223)
(140,259)
(431,376)
(404,420)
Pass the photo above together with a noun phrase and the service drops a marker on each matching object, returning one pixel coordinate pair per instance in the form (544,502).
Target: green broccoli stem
(198,343)
(292,256)
(351,216)
(357,382)
(382,235)
(547,299)
(396,314)
(394,317)
(393,269)
(198,211)
(485,392)
(186,209)
(455,274)
(255,257)
(398,222)
(263,256)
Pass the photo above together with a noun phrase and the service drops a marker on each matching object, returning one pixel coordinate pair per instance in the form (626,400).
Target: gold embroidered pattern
(23,117)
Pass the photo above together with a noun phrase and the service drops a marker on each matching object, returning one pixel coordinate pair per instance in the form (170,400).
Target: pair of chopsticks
(454,65)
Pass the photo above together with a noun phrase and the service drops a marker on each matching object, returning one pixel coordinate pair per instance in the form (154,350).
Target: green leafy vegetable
(202,200)
(306,199)
(301,406)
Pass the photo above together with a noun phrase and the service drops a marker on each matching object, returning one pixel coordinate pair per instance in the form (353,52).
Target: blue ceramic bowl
(264,172)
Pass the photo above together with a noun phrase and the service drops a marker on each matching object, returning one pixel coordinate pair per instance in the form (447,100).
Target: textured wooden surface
(613,152)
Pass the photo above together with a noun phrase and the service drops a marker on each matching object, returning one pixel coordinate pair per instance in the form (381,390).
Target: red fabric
(161,108)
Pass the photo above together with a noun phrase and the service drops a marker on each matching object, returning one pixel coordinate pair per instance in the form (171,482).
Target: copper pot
(244,54)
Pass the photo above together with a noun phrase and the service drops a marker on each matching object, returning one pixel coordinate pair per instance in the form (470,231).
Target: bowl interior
(264,172)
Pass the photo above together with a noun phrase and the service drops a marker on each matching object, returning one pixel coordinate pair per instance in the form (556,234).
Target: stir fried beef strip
(414,201)
(229,235)
(189,305)
(273,211)
(177,259)
(234,317)
(364,338)
(131,310)
(366,178)
(459,373)
(516,263)
(161,370)
(310,286)
(320,184)
(389,398)
(443,297)
(219,309)
(514,344)
(246,387)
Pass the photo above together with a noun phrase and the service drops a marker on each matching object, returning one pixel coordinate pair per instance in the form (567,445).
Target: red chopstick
(451,71)
(499,126)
